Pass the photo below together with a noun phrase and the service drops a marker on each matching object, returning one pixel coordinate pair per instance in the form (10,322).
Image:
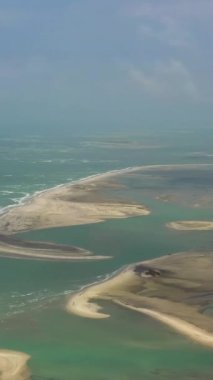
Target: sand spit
(55,211)
(81,303)
(81,202)
(89,200)
(13,365)
(20,249)
(191,225)
(185,328)
(174,289)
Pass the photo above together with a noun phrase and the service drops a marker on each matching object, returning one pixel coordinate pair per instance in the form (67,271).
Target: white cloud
(177,9)
(168,80)
(167,32)
(173,22)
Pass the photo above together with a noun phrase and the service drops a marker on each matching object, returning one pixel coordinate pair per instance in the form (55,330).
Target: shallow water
(33,294)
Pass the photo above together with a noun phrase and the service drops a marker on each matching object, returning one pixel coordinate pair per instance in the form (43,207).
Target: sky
(98,65)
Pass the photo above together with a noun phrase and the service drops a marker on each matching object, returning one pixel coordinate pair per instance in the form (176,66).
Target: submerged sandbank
(13,365)
(11,247)
(175,289)
(191,225)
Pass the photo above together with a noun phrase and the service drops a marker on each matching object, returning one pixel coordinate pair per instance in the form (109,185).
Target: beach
(69,205)
(80,202)
(189,330)
(146,288)
(81,303)
(13,365)
(106,190)
(60,222)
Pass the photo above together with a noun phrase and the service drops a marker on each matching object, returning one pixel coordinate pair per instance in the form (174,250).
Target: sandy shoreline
(146,288)
(99,177)
(84,201)
(191,225)
(80,202)
(76,203)
(82,304)
(47,213)
(13,365)
(193,332)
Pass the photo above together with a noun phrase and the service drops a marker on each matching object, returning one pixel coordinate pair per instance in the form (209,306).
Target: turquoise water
(33,294)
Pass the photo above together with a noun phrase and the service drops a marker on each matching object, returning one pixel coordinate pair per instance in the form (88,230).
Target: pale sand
(13,365)
(76,203)
(173,289)
(80,303)
(47,211)
(191,225)
(185,328)
(81,202)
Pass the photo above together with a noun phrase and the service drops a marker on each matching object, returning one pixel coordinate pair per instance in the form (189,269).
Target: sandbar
(78,203)
(191,225)
(13,365)
(90,200)
(185,328)
(66,207)
(12,247)
(174,289)
(81,202)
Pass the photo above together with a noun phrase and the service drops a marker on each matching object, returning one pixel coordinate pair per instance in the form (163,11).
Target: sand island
(191,225)
(90,200)
(13,247)
(68,205)
(82,202)
(13,365)
(174,289)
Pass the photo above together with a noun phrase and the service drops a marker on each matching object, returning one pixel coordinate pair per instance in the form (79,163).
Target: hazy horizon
(91,67)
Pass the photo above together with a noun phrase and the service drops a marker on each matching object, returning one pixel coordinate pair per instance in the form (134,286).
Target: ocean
(33,293)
